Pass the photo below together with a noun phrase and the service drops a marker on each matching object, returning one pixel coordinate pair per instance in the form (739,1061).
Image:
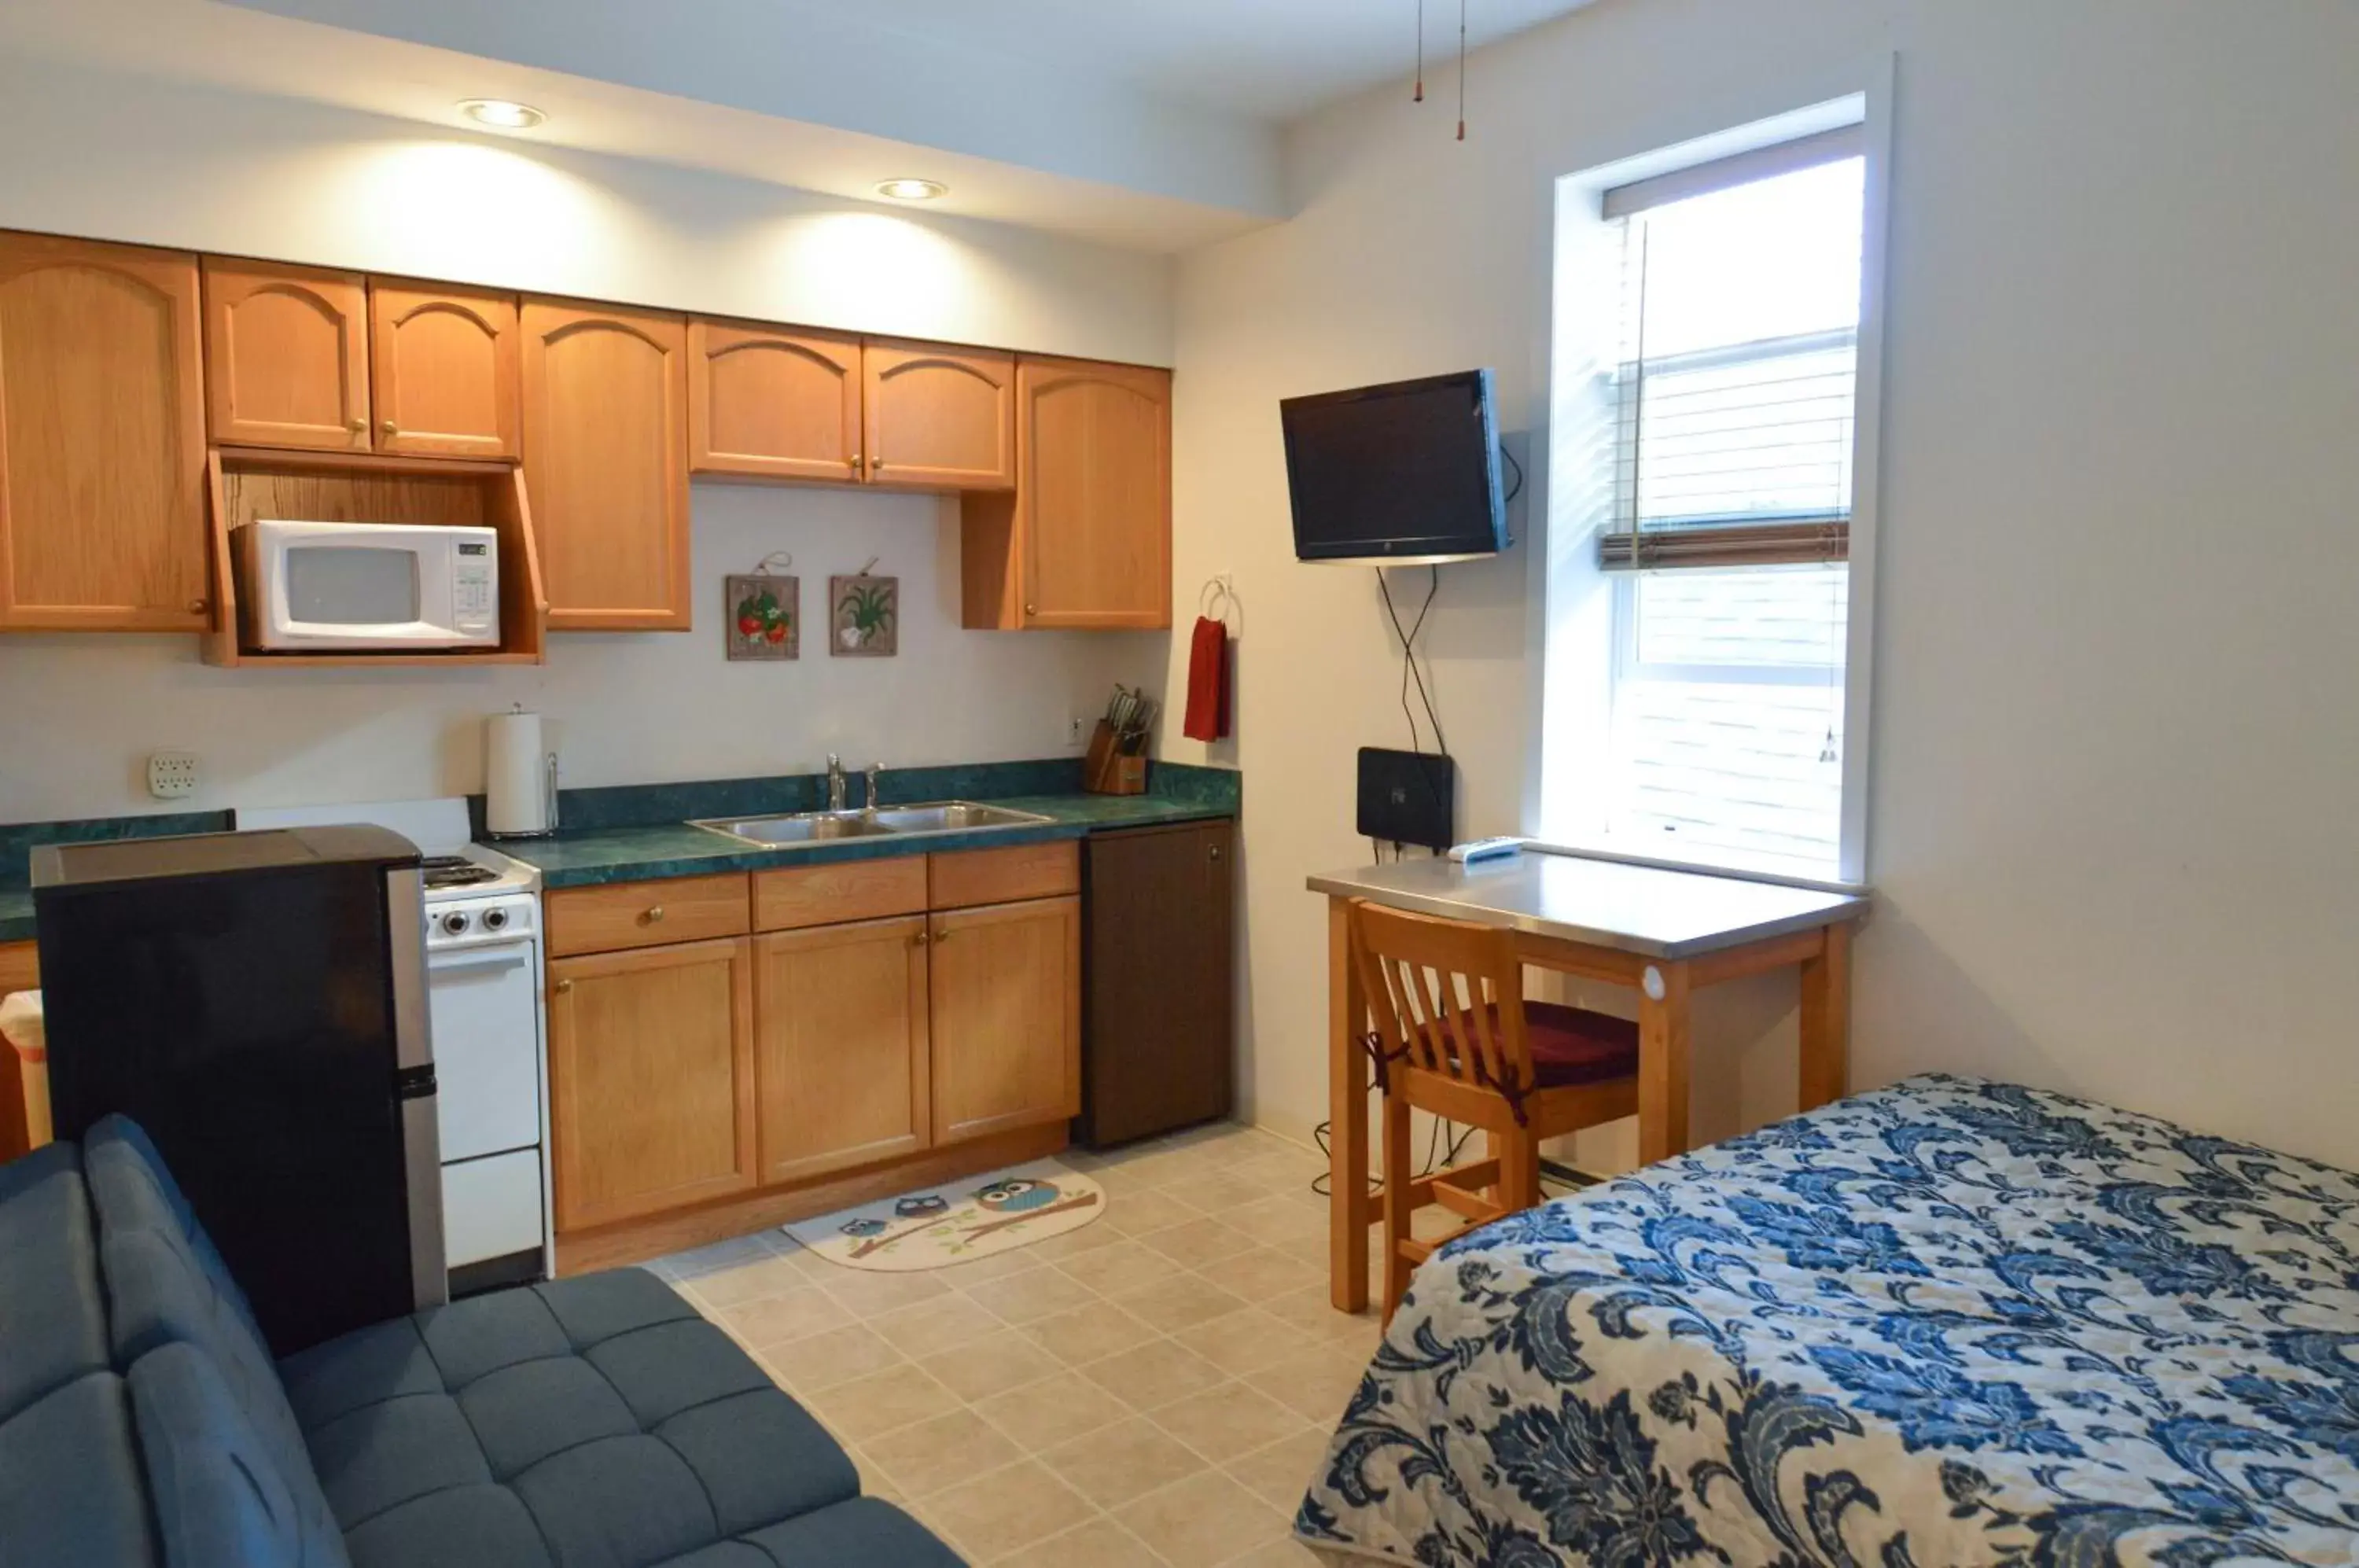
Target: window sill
(1706,867)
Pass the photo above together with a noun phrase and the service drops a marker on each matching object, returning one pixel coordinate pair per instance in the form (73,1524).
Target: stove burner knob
(455,923)
(495,920)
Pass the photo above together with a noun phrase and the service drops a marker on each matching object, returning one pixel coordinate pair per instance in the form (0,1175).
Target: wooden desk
(1665,934)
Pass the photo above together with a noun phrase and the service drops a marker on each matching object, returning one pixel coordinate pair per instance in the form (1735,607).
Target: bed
(1948,1322)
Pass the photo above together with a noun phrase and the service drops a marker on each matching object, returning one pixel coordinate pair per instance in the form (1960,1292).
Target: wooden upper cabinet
(1084,540)
(443,364)
(1006,983)
(286,355)
(938,417)
(605,449)
(650,1079)
(1094,485)
(772,402)
(102,437)
(840,1046)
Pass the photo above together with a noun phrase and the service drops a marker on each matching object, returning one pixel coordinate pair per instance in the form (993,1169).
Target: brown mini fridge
(1159,993)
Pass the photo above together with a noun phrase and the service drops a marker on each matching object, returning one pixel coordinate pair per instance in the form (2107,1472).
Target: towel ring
(1218,597)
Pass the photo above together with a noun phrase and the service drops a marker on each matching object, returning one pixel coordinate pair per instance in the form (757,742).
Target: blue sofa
(592,1423)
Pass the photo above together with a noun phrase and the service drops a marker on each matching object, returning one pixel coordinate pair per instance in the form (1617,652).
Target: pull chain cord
(1461,69)
(1827,749)
(1418,97)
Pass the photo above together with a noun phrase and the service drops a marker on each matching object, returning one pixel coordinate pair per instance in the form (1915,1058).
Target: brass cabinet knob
(563,986)
(940,937)
(918,940)
(653,914)
(1216,851)
(198,606)
(390,428)
(856,460)
(1031,609)
(874,463)
(360,426)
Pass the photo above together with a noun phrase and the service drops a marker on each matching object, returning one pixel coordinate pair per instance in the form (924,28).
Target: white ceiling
(1148,123)
(1267,59)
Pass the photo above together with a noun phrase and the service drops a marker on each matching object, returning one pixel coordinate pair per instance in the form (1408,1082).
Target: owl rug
(975,1218)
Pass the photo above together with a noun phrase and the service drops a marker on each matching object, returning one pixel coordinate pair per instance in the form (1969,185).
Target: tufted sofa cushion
(51,1309)
(595,1420)
(166,1286)
(70,1487)
(222,1497)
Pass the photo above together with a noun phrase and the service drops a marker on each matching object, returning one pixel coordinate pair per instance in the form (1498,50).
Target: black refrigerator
(258,1003)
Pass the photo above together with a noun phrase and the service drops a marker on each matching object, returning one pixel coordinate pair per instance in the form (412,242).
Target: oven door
(486,1048)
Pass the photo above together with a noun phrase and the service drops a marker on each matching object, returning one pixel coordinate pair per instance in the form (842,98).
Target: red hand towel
(1208,681)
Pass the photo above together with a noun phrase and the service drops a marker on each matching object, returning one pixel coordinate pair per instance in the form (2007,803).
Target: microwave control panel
(473,590)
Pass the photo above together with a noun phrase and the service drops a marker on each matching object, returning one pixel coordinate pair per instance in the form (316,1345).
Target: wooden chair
(1454,1037)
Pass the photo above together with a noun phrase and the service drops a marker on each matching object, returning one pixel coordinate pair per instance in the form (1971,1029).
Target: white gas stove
(487,1024)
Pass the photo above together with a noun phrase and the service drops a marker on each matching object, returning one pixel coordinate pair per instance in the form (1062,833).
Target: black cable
(1409,669)
(1519,467)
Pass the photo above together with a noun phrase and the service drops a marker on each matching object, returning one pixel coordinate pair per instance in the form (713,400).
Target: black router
(1408,797)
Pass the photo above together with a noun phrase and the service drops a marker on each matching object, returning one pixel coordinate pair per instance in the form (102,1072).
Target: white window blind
(1733,401)
(1735,391)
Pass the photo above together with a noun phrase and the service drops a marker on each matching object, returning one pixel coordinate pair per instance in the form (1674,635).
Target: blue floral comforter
(1948,1322)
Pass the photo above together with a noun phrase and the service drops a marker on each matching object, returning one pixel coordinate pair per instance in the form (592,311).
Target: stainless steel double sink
(891,821)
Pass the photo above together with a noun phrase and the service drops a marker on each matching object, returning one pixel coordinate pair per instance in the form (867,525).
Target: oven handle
(480,958)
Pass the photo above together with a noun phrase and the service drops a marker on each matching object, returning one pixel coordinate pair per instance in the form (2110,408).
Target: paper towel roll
(518,790)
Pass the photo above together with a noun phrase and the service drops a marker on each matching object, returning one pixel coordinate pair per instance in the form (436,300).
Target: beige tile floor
(1152,1390)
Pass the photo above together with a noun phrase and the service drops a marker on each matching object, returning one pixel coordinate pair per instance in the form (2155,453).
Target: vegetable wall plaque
(864,614)
(765,612)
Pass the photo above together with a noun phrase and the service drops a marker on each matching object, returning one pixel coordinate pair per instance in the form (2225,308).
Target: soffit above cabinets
(1149,126)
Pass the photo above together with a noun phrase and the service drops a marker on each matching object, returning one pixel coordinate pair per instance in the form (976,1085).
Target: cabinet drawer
(644,914)
(799,895)
(1005,875)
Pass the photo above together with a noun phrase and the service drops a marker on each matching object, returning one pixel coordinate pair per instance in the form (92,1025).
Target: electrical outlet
(171,774)
(1074,729)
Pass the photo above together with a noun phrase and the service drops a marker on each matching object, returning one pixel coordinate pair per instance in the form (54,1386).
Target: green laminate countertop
(15,916)
(639,854)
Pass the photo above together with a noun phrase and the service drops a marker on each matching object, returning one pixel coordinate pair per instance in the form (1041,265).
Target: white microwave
(367,585)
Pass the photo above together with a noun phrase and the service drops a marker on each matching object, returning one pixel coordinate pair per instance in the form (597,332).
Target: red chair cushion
(1573,1045)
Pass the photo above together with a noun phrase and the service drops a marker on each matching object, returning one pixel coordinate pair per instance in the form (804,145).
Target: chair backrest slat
(1446,996)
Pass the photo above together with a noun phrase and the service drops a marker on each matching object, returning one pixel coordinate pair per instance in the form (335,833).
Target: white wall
(242,175)
(2117,716)
(114,157)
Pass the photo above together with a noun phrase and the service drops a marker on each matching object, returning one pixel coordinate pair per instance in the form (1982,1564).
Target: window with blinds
(1734,394)
(1732,397)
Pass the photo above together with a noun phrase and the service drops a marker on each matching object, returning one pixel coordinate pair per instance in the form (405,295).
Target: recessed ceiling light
(505,113)
(913,189)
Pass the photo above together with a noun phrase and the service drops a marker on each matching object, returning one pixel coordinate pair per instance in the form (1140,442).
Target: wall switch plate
(1075,728)
(171,774)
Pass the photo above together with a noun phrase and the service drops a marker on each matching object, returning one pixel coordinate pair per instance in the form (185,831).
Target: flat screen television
(1403,474)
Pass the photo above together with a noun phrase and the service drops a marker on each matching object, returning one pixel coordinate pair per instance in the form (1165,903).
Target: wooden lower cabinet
(840,1058)
(702,1073)
(650,1079)
(1006,1017)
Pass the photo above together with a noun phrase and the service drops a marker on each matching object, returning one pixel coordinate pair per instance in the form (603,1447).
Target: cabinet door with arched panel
(286,355)
(444,367)
(102,437)
(938,417)
(773,402)
(606,464)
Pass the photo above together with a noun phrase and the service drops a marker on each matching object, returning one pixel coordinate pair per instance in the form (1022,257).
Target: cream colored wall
(184,167)
(2116,720)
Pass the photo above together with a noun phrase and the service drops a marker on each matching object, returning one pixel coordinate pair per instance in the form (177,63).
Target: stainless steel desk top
(1643,910)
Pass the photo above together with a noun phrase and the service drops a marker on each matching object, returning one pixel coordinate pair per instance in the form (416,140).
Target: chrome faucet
(876,780)
(834,782)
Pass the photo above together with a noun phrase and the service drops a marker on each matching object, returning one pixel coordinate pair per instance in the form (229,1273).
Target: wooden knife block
(1106,771)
